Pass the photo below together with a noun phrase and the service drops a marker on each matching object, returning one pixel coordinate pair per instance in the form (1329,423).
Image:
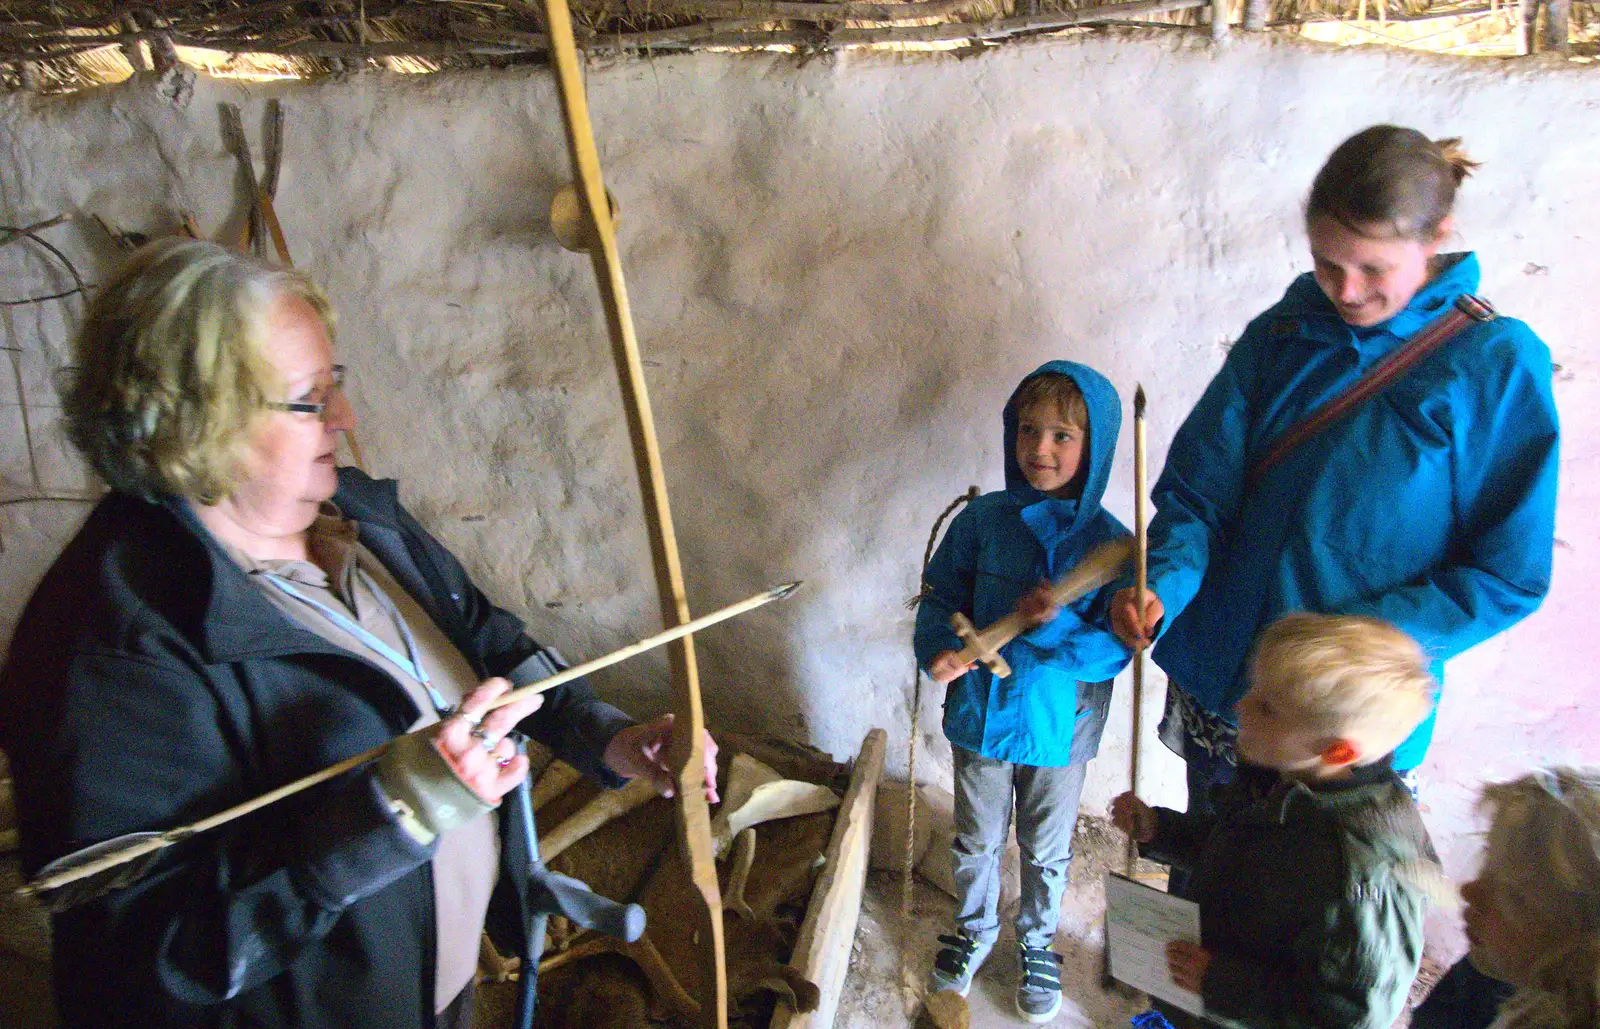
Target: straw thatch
(65,44)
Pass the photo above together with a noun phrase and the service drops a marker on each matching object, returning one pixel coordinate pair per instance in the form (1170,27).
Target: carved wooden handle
(1098,567)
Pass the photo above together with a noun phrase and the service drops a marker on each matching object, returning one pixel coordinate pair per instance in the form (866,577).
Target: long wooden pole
(687,750)
(1141,554)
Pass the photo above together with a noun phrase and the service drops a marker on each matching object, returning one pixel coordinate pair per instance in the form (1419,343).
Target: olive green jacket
(1311,900)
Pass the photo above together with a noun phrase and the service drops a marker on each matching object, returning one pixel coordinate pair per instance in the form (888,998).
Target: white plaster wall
(839,271)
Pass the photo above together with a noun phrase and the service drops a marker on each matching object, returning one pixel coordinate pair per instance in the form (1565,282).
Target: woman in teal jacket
(1431,505)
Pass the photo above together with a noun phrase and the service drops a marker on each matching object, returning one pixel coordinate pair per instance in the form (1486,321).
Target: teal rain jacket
(998,549)
(1431,506)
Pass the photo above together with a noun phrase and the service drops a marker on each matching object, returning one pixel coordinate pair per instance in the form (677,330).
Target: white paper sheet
(1140,920)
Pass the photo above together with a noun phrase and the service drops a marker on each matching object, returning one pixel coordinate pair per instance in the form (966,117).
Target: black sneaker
(957,962)
(1039,992)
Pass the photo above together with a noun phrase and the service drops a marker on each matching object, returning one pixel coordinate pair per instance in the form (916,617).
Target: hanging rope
(916,709)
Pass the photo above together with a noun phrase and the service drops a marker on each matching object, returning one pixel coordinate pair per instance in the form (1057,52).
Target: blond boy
(1312,874)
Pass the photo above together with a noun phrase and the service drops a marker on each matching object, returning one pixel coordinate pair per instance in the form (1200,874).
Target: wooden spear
(1141,555)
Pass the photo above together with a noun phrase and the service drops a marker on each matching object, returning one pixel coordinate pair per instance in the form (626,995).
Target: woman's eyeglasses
(316,401)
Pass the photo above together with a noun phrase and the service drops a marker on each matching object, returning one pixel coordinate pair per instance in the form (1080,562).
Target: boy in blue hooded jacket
(1029,737)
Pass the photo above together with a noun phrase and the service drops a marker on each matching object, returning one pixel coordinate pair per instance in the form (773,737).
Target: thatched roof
(64,44)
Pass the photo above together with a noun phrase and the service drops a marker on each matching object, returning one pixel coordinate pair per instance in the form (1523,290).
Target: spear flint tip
(1138,401)
(785,591)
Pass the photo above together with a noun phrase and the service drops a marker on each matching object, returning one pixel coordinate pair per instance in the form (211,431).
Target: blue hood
(1052,517)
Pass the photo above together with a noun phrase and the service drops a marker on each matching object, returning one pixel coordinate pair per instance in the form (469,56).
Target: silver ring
(472,720)
(485,741)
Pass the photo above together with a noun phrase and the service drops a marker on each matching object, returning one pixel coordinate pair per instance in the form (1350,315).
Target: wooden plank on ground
(822,953)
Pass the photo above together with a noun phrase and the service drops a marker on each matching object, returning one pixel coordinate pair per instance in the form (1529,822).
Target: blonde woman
(1533,912)
(237,613)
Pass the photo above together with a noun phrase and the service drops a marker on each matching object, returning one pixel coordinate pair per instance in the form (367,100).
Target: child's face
(1368,280)
(1503,943)
(1048,449)
(1273,734)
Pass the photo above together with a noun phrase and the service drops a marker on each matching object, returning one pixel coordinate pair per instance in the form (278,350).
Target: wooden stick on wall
(1557,27)
(262,221)
(1219,20)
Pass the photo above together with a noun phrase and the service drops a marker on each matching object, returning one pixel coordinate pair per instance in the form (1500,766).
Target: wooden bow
(687,750)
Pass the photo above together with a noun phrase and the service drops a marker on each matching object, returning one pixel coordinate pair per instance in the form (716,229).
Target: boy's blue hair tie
(1151,1020)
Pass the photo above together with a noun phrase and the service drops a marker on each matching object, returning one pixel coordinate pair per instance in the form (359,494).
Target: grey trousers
(1047,810)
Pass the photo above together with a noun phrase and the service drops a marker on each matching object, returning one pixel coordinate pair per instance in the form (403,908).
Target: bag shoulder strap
(1468,310)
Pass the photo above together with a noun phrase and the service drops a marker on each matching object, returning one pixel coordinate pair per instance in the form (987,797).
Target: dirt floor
(893,954)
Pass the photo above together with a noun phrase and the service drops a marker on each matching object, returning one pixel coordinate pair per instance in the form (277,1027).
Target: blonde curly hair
(1543,867)
(168,370)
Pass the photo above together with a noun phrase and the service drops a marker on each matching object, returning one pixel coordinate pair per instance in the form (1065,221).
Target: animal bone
(757,948)
(745,774)
(495,969)
(1098,567)
(556,779)
(602,809)
(789,856)
(744,854)
(757,794)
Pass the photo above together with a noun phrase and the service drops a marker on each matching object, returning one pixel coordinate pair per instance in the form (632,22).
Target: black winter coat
(150,684)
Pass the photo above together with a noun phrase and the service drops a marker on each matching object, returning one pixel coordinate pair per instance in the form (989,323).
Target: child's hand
(1125,622)
(947,666)
(1187,964)
(1134,817)
(1038,607)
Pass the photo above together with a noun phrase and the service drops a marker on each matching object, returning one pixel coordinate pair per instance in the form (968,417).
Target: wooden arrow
(89,873)
(686,753)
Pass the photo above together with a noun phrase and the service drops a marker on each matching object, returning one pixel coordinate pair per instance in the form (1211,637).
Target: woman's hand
(642,750)
(1187,964)
(1038,606)
(1133,631)
(475,744)
(1134,817)
(947,666)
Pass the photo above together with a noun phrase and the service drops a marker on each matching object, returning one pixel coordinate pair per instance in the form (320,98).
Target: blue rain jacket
(998,549)
(1431,506)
